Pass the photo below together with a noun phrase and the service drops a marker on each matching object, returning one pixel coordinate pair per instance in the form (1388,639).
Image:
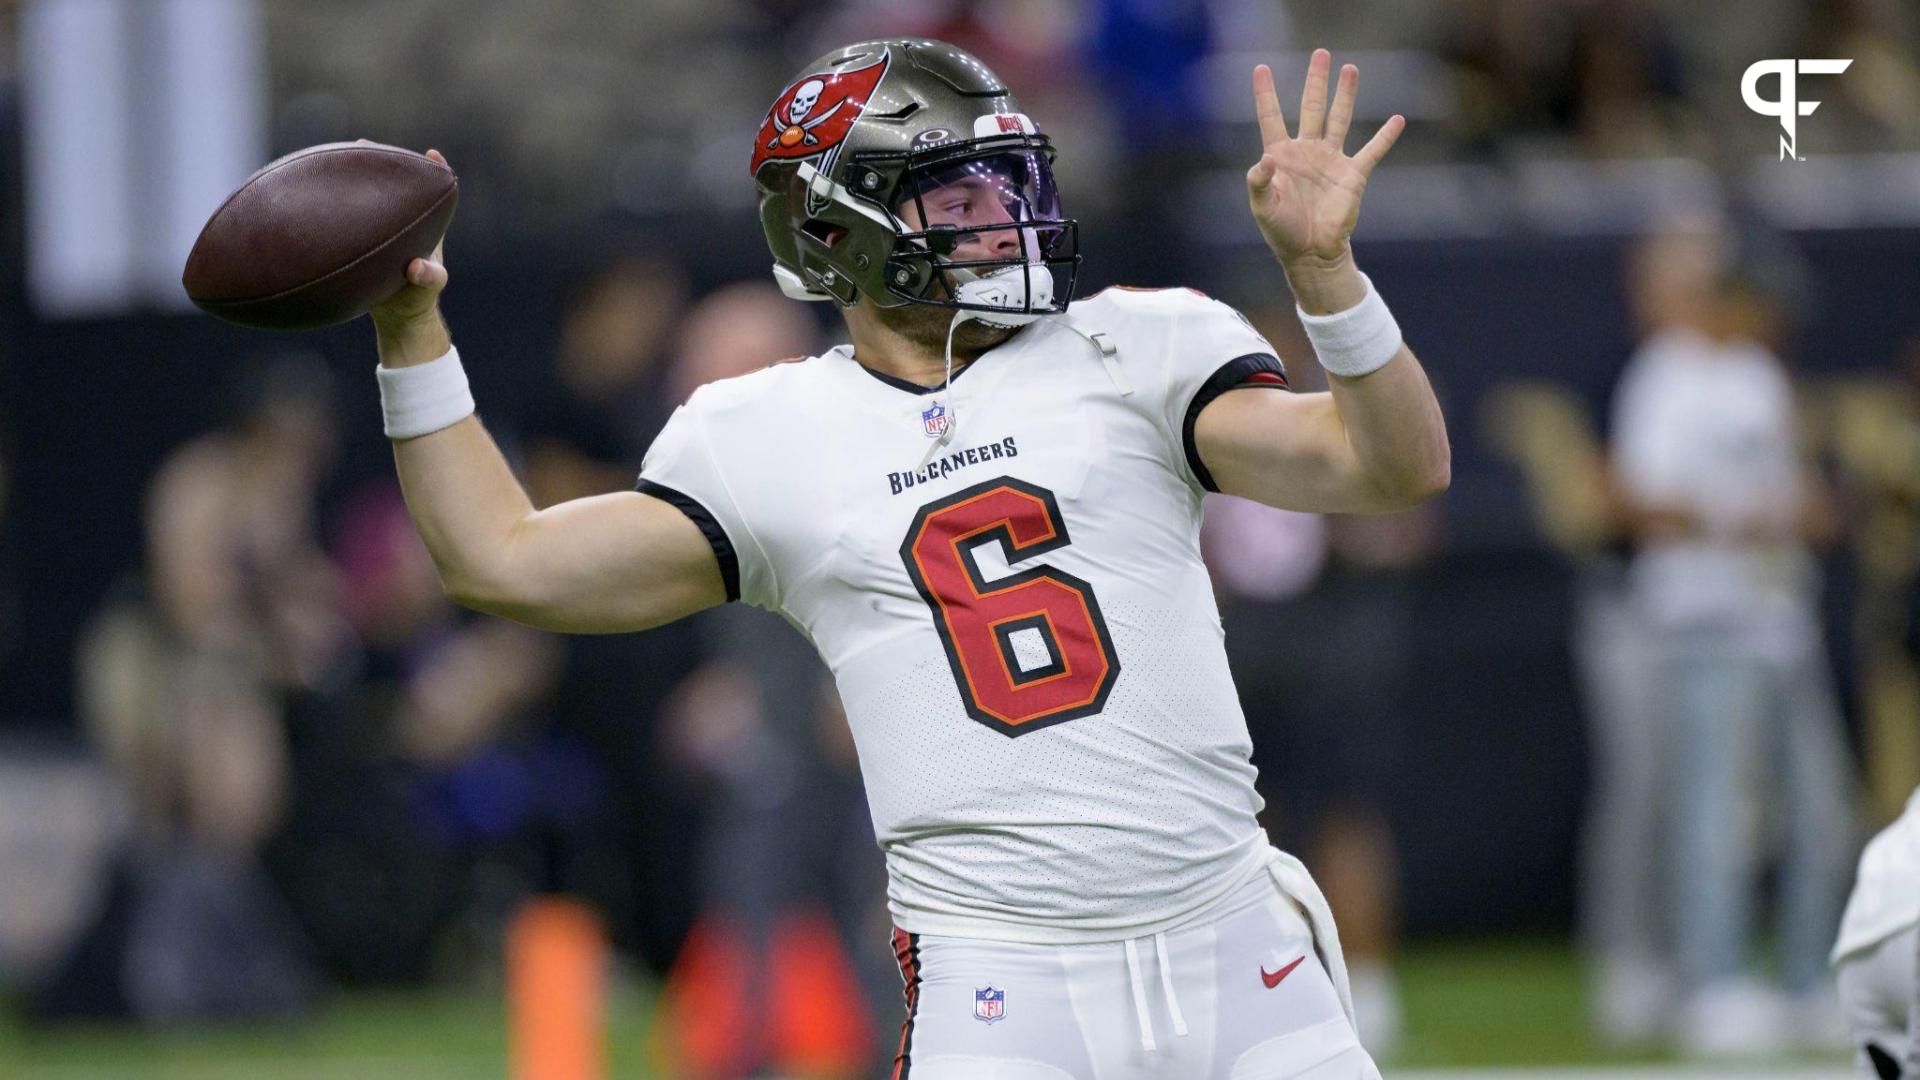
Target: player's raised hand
(425,278)
(408,323)
(1305,189)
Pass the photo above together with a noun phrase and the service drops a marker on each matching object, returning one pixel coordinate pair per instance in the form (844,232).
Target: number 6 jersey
(1017,618)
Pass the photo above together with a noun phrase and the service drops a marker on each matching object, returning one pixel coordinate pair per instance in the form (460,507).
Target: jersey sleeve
(681,469)
(1212,349)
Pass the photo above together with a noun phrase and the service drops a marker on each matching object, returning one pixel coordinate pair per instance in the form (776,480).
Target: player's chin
(975,336)
(927,325)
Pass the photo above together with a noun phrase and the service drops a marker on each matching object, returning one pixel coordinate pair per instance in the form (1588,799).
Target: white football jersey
(1020,627)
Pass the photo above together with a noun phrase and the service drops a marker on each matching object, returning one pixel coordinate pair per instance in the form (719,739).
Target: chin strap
(1019,293)
(945,400)
(1019,290)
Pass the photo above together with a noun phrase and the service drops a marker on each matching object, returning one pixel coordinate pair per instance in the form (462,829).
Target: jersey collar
(899,383)
(1026,333)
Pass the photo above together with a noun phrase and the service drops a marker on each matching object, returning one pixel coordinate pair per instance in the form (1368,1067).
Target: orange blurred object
(556,991)
(726,1013)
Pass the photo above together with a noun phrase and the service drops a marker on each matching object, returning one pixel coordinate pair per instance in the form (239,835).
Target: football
(320,236)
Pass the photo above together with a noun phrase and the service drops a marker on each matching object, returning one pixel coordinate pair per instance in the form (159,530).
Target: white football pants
(1241,994)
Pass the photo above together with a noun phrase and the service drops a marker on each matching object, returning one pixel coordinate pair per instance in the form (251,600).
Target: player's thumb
(429,273)
(424,278)
(1260,177)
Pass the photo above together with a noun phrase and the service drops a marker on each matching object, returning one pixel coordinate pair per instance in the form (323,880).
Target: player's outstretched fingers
(1369,155)
(1342,113)
(1313,98)
(1266,106)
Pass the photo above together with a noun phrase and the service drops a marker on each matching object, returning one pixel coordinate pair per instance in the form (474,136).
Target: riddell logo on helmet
(1002,124)
(813,116)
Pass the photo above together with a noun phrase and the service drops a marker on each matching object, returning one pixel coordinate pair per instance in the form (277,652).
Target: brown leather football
(320,236)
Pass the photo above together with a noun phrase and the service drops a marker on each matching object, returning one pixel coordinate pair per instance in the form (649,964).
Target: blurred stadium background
(268,808)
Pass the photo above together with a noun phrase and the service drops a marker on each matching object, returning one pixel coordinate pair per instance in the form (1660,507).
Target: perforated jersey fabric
(1021,630)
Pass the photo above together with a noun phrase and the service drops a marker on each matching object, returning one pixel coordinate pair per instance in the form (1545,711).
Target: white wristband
(1357,341)
(424,398)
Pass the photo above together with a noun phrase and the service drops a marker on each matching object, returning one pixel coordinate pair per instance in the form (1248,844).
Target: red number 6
(978,619)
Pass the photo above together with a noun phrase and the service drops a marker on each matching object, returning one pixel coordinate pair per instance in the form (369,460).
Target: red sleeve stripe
(906,949)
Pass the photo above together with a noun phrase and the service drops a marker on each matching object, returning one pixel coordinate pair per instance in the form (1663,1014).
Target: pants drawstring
(1166,984)
(1140,990)
(1139,997)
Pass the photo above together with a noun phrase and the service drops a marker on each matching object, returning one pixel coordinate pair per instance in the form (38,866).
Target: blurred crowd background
(1641,681)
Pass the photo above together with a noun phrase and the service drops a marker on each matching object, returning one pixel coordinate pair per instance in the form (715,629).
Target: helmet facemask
(981,231)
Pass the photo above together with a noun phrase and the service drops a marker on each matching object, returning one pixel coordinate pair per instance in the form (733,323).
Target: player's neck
(885,349)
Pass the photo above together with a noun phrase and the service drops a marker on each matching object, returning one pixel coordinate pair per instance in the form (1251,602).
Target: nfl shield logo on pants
(935,419)
(989,1004)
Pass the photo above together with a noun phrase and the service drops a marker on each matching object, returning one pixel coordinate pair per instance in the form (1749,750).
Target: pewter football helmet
(903,170)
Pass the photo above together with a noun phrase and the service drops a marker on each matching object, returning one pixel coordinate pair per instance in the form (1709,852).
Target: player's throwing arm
(609,563)
(1376,442)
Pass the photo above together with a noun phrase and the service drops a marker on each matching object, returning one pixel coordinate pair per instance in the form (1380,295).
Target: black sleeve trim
(709,527)
(1253,369)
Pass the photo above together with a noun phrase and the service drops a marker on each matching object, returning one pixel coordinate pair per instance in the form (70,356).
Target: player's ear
(823,232)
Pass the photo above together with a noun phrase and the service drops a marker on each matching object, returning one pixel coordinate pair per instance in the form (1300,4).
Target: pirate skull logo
(814,115)
(804,99)
(799,129)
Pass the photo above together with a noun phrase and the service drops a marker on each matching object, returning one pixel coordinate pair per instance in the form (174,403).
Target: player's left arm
(1375,442)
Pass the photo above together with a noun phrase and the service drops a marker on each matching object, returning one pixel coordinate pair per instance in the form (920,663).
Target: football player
(984,513)
(1877,955)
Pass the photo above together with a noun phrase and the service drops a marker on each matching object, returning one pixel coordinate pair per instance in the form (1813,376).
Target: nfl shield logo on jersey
(935,419)
(989,1004)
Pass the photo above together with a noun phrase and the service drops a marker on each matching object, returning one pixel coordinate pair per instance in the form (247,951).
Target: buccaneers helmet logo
(814,115)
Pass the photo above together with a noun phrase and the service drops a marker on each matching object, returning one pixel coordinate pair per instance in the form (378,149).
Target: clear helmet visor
(990,211)
(992,222)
